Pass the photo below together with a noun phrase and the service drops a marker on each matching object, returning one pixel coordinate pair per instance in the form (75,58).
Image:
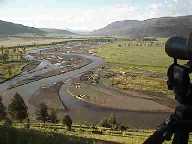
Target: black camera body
(179,82)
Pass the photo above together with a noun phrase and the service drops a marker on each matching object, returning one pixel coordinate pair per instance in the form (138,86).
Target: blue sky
(87,14)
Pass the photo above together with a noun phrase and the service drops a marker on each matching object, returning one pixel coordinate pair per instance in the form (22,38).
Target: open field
(130,55)
(19,40)
(137,65)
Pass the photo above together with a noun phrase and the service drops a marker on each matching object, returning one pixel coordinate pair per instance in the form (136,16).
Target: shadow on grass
(25,136)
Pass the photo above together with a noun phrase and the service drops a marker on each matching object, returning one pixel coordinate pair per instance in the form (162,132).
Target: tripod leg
(181,137)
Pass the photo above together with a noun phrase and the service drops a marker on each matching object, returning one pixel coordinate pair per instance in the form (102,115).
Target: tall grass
(24,136)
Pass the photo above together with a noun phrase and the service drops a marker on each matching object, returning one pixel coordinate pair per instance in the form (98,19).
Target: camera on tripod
(179,123)
(178,75)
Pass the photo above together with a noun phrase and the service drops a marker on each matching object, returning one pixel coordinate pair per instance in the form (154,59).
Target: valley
(110,84)
(62,66)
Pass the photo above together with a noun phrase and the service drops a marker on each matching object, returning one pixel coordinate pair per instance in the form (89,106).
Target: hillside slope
(157,27)
(8,28)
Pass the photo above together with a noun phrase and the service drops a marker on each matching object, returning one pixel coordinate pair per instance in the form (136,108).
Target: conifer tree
(17,108)
(68,122)
(3,112)
(53,117)
(42,113)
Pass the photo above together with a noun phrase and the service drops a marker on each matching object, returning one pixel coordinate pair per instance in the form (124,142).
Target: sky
(87,15)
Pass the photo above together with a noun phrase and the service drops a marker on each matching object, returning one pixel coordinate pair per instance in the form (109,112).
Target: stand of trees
(12,54)
(43,115)
(18,111)
(111,122)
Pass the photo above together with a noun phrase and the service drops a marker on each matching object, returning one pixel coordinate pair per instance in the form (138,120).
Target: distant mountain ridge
(9,28)
(58,31)
(156,27)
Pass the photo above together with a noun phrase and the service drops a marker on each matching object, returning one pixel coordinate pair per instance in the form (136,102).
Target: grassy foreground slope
(57,134)
(23,136)
(54,134)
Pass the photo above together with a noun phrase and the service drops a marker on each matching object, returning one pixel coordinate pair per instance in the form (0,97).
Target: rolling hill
(156,27)
(8,28)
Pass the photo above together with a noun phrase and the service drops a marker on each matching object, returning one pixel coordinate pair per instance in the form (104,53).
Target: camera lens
(179,48)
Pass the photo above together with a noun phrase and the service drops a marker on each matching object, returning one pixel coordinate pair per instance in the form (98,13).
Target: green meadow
(144,63)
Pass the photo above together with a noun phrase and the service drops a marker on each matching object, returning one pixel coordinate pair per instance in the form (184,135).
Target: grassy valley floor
(137,65)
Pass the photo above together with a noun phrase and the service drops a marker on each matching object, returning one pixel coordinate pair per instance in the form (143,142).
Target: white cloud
(171,8)
(70,17)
